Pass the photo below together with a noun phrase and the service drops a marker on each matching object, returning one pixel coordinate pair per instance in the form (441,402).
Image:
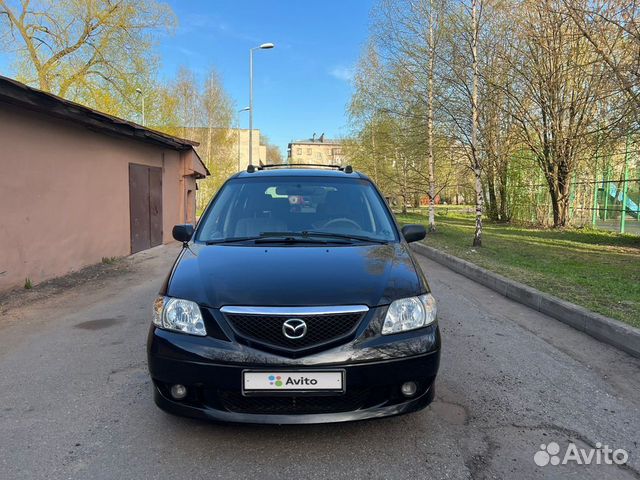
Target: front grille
(321,328)
(353,399)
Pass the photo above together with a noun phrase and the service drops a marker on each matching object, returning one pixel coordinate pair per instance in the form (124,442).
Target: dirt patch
(89,276)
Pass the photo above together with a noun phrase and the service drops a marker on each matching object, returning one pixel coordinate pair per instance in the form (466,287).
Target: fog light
(409,389)
(178,391)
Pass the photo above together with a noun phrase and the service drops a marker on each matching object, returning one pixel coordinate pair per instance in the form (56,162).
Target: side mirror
(183,233)
(413,233)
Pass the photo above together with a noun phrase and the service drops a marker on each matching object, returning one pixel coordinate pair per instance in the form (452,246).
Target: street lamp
(139,92)
(264,46)
(245,109)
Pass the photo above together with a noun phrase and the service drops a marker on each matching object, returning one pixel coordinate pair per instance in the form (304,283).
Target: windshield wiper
(361,238)
(270,237)
(289,237)
(230,240)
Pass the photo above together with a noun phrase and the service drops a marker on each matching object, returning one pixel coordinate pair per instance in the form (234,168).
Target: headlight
(409,314)
(179,315)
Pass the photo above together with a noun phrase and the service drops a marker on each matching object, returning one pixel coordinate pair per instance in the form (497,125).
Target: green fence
(608,203)
(604,194)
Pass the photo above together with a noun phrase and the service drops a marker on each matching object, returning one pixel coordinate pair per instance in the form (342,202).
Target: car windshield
(314,207)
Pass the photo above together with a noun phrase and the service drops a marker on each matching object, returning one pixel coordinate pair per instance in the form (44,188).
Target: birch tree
(408,34)
(475,156)
(461,103)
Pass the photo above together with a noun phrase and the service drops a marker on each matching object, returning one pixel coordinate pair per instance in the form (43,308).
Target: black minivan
(296,299)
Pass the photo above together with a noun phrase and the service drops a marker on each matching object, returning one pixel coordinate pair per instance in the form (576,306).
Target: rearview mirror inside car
(183,233)
(413,233)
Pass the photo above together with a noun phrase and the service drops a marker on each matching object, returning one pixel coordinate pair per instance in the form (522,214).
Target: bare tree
(555,92)
(96,52)
(497,140)
(408,34)
(612,28)
(274,155)
(461,104)
(506,85)
(189,108)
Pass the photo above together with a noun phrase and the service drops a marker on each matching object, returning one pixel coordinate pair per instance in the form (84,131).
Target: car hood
(219,275)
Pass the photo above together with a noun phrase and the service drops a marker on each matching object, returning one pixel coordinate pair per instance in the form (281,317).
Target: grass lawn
(596,269)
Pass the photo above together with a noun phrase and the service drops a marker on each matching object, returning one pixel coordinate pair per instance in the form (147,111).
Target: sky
(301,86)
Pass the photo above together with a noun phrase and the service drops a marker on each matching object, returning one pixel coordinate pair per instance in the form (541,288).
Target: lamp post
(245,109)
(139,92)
(264,46)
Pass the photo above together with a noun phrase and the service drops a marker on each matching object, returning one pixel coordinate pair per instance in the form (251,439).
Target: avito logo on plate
(275,380)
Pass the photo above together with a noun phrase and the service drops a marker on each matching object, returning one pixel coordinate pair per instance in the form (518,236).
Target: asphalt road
(75,398)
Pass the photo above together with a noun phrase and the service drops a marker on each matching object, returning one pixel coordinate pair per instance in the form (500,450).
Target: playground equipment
(631,207)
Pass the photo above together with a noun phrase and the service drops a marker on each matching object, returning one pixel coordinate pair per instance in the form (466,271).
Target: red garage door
(145,206)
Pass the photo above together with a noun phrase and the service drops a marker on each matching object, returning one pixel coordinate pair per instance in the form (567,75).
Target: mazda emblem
(294,328)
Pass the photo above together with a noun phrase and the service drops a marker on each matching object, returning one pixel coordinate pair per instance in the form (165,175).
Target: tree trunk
(503,215)
(559,191)
(432,180)
(555,206)
(564,186)
(477,170)
(492,205)
(404,184)
(503,212)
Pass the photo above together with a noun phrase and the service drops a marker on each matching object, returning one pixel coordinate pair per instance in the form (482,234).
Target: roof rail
(346,169)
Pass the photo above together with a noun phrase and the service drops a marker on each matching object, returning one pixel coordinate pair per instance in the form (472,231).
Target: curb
(607,330)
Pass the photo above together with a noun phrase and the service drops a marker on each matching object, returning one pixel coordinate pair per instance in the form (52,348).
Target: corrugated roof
(19,94)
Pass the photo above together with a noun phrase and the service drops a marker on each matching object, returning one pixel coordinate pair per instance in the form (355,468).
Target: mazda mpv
(296,299)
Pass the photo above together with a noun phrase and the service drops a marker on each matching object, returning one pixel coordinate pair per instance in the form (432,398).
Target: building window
(299,151)
(308,151)
(319,156)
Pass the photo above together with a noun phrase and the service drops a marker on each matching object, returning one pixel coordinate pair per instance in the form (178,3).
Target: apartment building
(318,150)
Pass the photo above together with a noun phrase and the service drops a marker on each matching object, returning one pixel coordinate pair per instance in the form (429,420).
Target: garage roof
(19,94)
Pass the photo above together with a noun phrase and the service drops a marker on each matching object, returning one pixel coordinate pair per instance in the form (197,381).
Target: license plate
(293,381)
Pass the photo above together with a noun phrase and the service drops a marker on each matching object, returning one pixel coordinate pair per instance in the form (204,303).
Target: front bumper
(375,367)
